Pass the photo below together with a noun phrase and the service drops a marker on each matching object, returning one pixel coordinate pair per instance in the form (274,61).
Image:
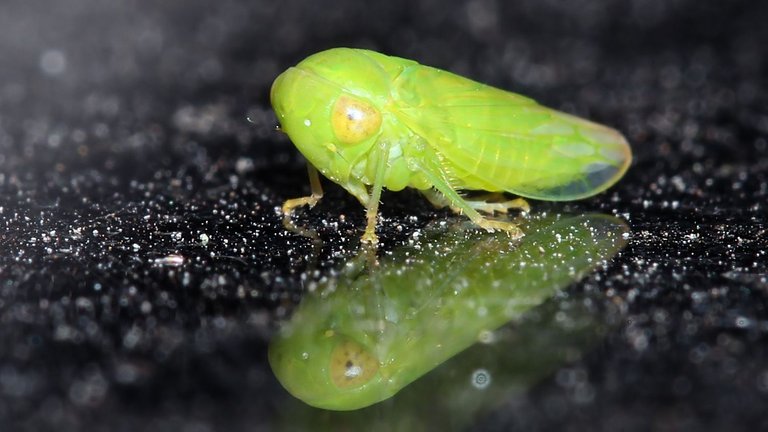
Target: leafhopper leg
(460,205)
(289,206)
(489,203)
(372,207)
(496,203)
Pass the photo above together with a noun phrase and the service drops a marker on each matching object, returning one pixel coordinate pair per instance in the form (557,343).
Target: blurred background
(143,264)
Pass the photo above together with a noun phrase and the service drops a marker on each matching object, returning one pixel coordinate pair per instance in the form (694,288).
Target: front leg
(289,206)
(372,207)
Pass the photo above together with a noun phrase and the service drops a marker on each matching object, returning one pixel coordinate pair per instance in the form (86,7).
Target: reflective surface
(363,336)
(488,375)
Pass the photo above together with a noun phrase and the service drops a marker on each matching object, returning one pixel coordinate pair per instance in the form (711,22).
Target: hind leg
(490,203)
(445,196)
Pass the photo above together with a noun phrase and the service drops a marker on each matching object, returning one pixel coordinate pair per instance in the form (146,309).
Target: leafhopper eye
(354,120)
(352,365)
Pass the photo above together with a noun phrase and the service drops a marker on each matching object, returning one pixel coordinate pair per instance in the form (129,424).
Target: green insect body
(369,121)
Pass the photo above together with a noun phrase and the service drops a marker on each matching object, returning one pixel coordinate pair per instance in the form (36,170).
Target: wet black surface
(143,264)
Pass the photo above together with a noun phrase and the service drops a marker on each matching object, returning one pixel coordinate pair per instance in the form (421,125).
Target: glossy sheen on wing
(493,140)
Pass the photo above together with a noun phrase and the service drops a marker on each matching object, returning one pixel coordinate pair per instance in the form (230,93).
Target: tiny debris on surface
(143,267)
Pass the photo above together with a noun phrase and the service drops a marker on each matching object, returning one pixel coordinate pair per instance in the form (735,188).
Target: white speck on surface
(486,337)
(481,379)
(53,62)
(170,260)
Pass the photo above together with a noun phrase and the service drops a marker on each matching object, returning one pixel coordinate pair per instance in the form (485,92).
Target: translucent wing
(490,139)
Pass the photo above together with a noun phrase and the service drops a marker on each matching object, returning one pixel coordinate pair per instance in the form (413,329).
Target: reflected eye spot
(354,120)
(352,365)
(353,371)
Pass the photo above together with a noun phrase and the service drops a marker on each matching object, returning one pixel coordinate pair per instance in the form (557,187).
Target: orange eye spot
(351,365)
(354,120)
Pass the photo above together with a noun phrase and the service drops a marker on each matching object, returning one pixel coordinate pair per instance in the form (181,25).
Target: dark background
(143,265)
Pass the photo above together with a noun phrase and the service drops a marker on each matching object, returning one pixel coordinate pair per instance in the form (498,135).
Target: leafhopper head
(331,106)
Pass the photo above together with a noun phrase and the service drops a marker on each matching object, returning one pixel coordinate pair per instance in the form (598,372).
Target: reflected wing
(493,140)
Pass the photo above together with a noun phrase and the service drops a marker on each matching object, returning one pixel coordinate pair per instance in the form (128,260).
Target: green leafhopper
(369,121)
